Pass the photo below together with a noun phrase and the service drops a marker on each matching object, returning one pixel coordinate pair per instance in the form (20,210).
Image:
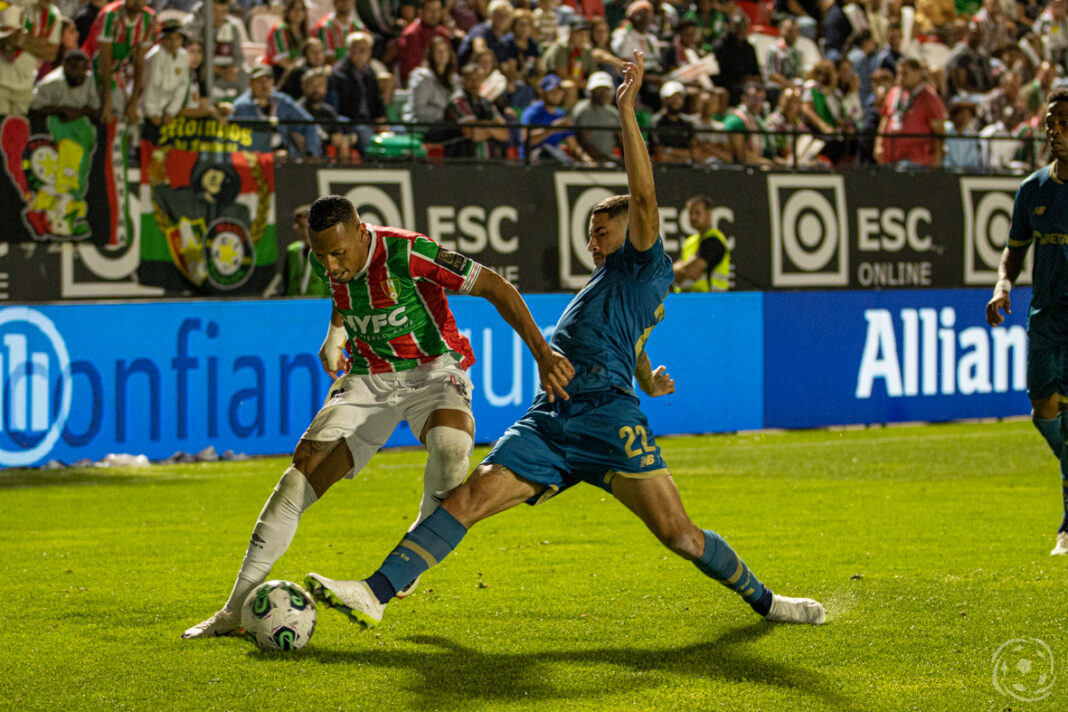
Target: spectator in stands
(300,278)
(522,53)
(994,104)
(68,40)
(737,60)
(121,35)
(286,38)
(467,106)
(711,144)
(35,40)
(571,58)
(684,48)
(638,35)
(1033,96)
(888,57)
(597,120)
(744,127)
(861,53)
(783,63)
(962,149)
(1052,28)
(968,67)
(430,89)
(837,29)
(333,29)
(665,20)
(312,56)
(936,17)
(601,49)
(586,8)
(712,22)
(167,76)
(465,14)
(546,22)
(314,84)
(881,80)
(671,132)
(911,108)
(998,29)
(1033,48)
(196,103)
(808,13)
(230,79)
(791,138)
(67,91)
(354,87)
(85,16)
(414,40)
(553,139)
(489,34)
(823,111)
(263,103)
(997,145)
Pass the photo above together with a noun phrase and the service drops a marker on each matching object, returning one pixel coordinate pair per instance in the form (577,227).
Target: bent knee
(686,541)
(449,444)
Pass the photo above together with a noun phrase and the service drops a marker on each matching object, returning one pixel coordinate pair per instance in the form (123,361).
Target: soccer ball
(279,615)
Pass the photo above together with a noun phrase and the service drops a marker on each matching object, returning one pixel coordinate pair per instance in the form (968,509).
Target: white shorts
(364,410)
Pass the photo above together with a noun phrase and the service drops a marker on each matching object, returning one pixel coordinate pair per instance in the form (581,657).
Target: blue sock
(421,548)
(1051,431)
(721,563)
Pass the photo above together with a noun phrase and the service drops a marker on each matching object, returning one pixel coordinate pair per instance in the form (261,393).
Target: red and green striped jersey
(333,33)
(282,43)
(124,33)
(40,23)
(395,311)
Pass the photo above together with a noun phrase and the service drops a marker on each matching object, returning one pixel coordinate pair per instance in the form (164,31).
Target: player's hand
(633,72)
(999,301)
(662,383)
(555,372)
(332,353)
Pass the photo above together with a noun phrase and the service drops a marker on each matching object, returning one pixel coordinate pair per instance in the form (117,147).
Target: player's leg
(656,501)
(1045,373)
(490,489)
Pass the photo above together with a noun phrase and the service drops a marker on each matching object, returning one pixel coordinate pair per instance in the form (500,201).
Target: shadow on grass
(448,674)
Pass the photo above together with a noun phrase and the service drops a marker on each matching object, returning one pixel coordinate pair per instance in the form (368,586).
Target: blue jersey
(605,326)
(1040,216)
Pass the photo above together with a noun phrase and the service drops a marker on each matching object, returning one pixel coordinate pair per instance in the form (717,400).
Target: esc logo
(35,386)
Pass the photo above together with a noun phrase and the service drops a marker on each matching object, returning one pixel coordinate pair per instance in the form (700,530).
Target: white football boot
(409,589)
(1062,545)
(222,623)
(795,610)
(353,598)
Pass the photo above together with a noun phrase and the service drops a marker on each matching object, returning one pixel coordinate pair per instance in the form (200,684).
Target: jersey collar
(372,246)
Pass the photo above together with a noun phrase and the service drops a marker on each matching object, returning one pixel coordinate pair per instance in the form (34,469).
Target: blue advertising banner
(891,356)
(82,381)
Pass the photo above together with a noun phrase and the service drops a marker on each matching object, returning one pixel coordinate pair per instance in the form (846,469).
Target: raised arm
(553,367)
(644,216)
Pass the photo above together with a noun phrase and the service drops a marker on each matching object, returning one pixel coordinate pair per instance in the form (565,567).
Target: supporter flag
(207,220)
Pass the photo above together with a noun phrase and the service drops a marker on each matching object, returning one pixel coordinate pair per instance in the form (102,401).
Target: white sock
(446,467)
(273,533)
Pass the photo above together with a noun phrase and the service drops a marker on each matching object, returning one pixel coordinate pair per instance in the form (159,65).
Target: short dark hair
(329,211)
(612,207)
(301,213)
(703,199)
(1060,94)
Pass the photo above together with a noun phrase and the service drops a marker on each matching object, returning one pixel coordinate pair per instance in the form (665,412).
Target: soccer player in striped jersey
(406,361)
(599,435)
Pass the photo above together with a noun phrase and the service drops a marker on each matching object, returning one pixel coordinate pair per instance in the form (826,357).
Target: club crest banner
(207,220)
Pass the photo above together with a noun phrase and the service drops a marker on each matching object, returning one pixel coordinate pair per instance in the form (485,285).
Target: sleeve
(429,261)
(178,98)
(711,251)
(1020,233)
(107,28)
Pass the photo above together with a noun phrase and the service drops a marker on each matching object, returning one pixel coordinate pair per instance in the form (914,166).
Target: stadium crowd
(956,83)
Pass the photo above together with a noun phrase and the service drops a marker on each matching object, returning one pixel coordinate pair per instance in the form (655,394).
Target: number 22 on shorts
(630,434)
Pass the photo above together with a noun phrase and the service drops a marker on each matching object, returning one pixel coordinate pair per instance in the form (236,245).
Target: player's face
(1057,130)
(342,249)
(606,236)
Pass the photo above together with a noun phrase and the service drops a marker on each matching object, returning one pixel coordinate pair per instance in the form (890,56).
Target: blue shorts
(593,437)
(1047,352)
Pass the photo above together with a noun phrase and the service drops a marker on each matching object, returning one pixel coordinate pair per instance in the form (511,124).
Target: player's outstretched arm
(653,383)
(553,367)
(644,217)
(1012,262)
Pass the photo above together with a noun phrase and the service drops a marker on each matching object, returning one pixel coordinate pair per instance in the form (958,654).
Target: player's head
(1057,123)
(300,222)
(337,236)
(699,209)
(608,227)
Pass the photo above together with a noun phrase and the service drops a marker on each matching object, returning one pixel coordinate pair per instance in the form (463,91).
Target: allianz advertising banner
(82,381)
(894,356)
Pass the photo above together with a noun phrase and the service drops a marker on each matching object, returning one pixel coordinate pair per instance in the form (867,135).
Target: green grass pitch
(929,547)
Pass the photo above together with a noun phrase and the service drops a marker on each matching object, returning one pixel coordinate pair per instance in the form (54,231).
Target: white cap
(598,80)
(672,87)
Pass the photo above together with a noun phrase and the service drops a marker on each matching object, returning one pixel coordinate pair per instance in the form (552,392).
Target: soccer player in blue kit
(594,431)
(1040,217)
